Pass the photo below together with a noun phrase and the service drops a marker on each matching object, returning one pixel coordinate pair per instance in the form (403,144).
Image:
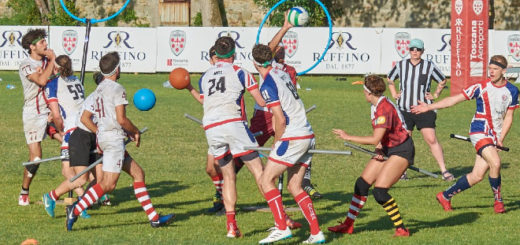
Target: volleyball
(298,16)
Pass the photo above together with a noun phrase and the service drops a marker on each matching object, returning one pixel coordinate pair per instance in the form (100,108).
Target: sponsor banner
(506,43)
(394,47)
(11,51)
(69,40)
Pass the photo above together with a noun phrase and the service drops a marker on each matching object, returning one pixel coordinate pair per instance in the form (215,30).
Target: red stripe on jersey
(243,153)
(298,138)
(483,142)
(273,104)
(52,100)
(236,68)
(252,87)
(222,122)
(488,112)
(223,155)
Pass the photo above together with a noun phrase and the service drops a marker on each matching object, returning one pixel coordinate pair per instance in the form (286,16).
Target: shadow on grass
(456,220)
(155,189)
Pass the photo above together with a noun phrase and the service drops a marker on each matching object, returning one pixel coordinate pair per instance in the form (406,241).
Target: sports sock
(218,181)
(24,191)
(393,211)
(144,199)
(356,205)
(274,200)
(53,195)
(496,184)
(90,197)
(307,175)
(305,203)
(459,186)
(231,222)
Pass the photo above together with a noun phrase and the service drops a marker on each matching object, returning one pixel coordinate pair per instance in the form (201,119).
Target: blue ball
(144,99)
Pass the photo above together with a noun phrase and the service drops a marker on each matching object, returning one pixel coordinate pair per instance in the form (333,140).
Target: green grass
(173,154)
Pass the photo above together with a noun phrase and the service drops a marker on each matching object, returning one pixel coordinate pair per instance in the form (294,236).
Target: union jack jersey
(492,105)
(69,94)
(386,115)
(222,87)
(278,89)
(34,96)
(286,68)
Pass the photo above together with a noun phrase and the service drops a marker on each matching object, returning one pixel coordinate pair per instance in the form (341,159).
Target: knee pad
(32,169)
(381,195)
(250,156)
(361,187)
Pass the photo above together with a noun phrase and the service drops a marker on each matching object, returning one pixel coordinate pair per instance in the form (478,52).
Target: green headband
(231,53)
(36,40)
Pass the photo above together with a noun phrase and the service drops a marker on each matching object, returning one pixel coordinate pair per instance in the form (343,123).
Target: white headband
(366,89)
(110,73)
(56,65)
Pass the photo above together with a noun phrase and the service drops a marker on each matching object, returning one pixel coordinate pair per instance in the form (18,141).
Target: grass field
(173,154)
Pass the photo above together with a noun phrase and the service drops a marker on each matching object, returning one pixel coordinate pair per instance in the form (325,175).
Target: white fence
(351,50)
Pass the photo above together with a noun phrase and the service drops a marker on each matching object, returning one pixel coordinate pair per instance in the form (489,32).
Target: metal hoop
(93,21)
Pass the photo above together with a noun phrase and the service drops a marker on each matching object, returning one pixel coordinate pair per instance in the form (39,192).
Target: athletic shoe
(401,232)
(312,192)
(48,204)
(105,200)
(218,204)
(277,235)
(23,200)
(71,217)
(84,214)
(291,223)
(446,204)
(499,207)
(315,239)
(162,221)
(345,227)
(404,176)
(234,232)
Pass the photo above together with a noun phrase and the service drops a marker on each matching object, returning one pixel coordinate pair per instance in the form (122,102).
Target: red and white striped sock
(274,200)
(218,181)
(231,221)
(356,205)
(53,195)
(144,199)
(305,203)
(90,197)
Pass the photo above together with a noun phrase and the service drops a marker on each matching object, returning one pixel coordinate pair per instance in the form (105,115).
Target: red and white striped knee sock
(53,195)
(231,221)
(218,181)
(89,198)
(144,199)
(274,200)
(356,205)
(305,203)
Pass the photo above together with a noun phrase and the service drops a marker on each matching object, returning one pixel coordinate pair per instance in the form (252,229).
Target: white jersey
(222,88)
(108,95)
(69,93)
(34,96)
(88,105)
(278,89)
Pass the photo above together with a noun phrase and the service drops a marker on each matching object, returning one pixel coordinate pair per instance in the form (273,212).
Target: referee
(415,75)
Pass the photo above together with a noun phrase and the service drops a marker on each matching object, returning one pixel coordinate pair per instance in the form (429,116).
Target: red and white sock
(144,199)
(305,203)
(356,205)
(53,195)
(218,181)
(231,223)
(90,197)
(274,200)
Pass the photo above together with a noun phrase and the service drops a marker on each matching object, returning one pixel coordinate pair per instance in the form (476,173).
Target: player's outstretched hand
(340,134)
(420,108)
(286,23)
(137,138)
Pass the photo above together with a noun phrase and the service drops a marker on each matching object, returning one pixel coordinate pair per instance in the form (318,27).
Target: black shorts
(81,146)
(423,120)
(405,150)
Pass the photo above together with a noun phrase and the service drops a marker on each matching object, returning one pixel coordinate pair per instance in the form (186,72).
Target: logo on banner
(402,40)
(458,6)
(341,39)
(11,38)
(177,41)
(290,43)
(513,46)
(232,34)
(118,38)
(478,6)
(70,41)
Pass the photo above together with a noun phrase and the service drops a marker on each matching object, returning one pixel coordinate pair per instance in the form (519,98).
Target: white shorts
(292,152)
(481,140)
(34,126)
(228,138)
(114,155)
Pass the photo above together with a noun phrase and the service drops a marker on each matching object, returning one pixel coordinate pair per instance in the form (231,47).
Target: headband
(231,53)
(56,65)
(36,40)
(366,89)
(492,62)
(265,64)
(110,73)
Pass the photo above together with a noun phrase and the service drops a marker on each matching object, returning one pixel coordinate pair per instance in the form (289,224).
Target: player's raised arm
(279,35)
(41,78)
(447,102)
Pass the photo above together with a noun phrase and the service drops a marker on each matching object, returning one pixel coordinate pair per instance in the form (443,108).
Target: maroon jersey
(385,115)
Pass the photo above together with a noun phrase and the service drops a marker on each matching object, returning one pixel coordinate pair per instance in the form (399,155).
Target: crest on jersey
(290,43)
(458,6)
(402,41)
(380,120)
(513,46)
(69,41)
(478,6)
(11,38)
(177,42)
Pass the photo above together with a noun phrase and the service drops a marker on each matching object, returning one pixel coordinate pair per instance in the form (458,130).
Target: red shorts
(262,121)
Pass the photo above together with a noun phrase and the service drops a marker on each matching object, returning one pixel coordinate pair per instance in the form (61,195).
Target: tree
(211,13)
(39,12)
(317,16)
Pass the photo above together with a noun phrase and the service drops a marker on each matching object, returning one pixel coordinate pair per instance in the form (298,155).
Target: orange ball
(179,78)
(30,241)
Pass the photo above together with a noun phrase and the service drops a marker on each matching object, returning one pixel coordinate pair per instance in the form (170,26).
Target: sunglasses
(416,49)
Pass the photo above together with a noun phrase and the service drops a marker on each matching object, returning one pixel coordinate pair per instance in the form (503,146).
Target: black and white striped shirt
(415,81)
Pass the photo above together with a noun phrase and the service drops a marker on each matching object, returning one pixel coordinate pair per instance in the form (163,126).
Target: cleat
(291,223)
(105,200)
(218,203)
(233,232)
(401,232)
(48,204)
(499,207)
(277,235)
(71,217)
(315,239)
(345,227)
(84,214)
(404,176)
(23,200)
(312,192)
(162,221)
(446,204)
